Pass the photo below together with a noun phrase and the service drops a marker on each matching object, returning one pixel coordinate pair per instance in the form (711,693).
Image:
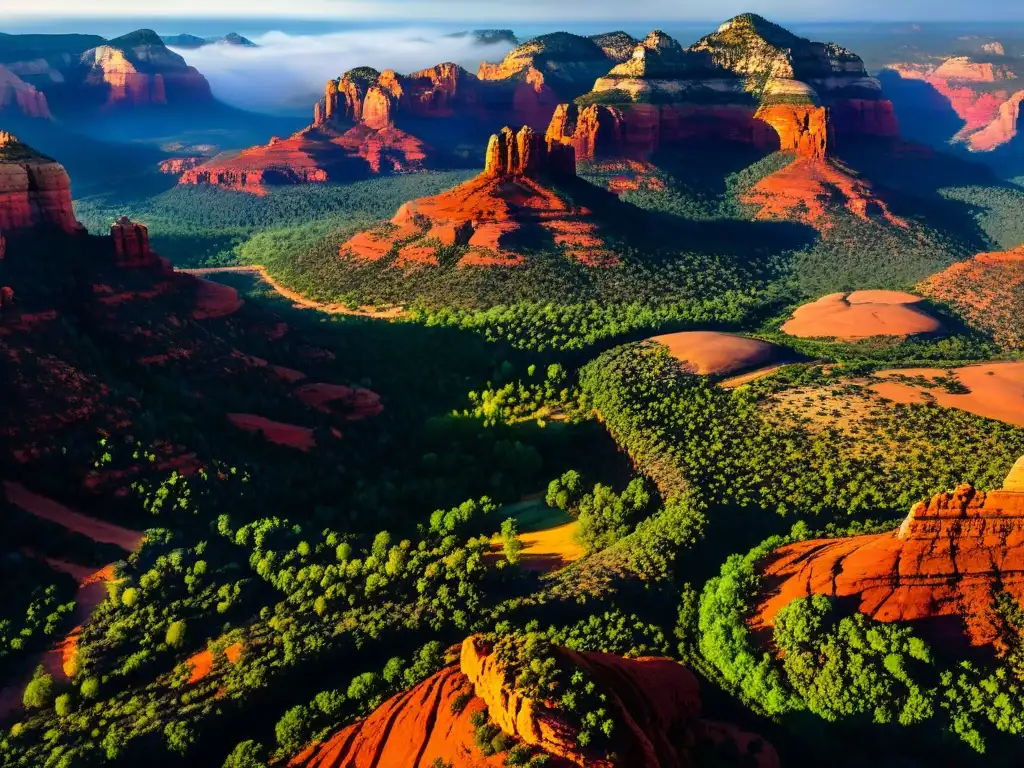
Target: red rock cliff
(131,244)
(943,567)
(655,702)
(526,153)
(34,190)
(17,95)
(804,130)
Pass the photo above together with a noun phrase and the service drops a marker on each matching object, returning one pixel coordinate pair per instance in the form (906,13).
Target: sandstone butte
(655,703)
(34,190)
(751,82)
(942,568)
(139,70)
(510,203)
(18,96)
(862,315)
(986,96)
(988,290)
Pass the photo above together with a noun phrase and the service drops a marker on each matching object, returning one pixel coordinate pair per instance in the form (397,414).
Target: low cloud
(286,73)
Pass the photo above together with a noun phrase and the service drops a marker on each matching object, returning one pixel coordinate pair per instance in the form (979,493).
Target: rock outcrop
(942,569)
(655,703)
(18,96)
(34,190)
(730,85)
(139,70)
(131,244)
(986,96)
(513,200)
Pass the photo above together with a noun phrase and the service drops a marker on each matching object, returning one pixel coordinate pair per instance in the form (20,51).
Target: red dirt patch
(356,403)
(996,390)
(202,662)
(861,315)
(713,353)
(214,300)
(275,431)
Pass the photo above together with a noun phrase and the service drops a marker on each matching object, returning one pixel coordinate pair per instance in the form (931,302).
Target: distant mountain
(489,36)
(193,41)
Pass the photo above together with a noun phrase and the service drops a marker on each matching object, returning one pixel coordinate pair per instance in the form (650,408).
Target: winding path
(297,298)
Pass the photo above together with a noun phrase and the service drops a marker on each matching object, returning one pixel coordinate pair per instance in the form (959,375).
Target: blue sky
(511,12)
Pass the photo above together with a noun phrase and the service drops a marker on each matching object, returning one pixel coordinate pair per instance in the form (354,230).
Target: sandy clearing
(996,390)
(300,301)
(714,353)
(861,315)
(275,431)
(548,535)
(747,378)
(47,509)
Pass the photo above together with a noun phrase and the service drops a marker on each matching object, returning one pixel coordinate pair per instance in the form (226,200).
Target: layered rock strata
(131,244)
(34,190)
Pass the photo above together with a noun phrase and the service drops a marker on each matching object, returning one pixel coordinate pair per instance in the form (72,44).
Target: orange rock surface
(18,96)
(942,568)
(803,130)
(810,190)
(34,190)
(861,315)
(656,703)
(215,300)
(987,290)
(487,214)
(713,353)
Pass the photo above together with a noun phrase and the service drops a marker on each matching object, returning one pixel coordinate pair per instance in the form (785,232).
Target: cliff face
(803,130)
(985,96)
(18,96)
(655,702)
(34,190)
(131,244)
(139,70)
(942,568)
(525,153)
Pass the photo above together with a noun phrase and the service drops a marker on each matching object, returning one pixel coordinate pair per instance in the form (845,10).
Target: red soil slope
(355,403)
(713,353)
(275,431)
(509,203)
(942,568)
(656,703)
(988,291)
(861,315)
(810,189)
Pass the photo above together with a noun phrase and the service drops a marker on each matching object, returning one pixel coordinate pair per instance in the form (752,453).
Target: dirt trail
(47,509)
(297,298)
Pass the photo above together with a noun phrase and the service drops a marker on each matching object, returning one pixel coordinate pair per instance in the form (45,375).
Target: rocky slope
(751,81)
(654,702)
(941,568)
(494,219)
(985,95)
(19,97)
(34,190)
(989,291)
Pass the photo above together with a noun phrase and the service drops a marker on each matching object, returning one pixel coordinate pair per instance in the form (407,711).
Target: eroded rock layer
(34,190)
(943,568)
(655,703)
(18,96)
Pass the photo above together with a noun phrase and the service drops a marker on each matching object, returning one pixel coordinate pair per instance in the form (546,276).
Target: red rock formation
(17,95)
(34,190)
(655,703)
(485,213)
(178,165)
(974,91)
(315,155)
(131,244)
(943,567)
(803,130)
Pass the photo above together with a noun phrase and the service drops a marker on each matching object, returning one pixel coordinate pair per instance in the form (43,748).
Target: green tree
(175,637)
(248,754)
(39,691)
(512,543)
